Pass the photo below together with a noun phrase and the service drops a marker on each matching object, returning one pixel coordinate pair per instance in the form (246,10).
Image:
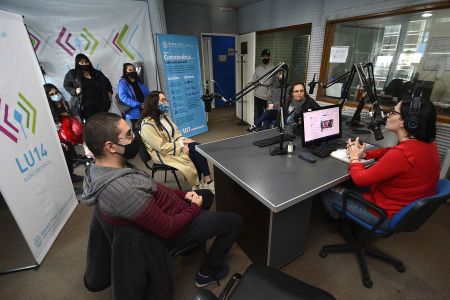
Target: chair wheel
(323,254)
(368,283)
(400,268)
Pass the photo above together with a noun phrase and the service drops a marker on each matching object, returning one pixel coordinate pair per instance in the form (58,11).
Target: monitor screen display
(321,125)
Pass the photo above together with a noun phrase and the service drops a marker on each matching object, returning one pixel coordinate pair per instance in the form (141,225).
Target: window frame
(330,29)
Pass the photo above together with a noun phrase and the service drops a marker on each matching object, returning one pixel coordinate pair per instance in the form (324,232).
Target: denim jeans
(267,117)
(334,196)
(200,163)
(225,226)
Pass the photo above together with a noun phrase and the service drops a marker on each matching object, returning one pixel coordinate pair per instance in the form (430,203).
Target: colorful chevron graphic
(30,112)
(66,46)
(34,41)
(118,42)
(6,127)
(89,39)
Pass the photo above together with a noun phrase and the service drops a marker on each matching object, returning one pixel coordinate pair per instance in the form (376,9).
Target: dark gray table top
(277,181)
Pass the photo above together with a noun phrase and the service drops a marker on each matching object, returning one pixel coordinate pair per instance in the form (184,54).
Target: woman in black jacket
(91,91)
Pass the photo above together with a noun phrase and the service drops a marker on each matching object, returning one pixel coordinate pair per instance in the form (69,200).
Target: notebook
(341,154)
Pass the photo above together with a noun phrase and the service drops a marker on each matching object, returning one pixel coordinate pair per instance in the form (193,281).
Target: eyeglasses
(298,91)
(128,136)
(393,112)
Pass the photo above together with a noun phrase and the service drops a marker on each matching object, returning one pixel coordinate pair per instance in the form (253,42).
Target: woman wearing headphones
(403,173)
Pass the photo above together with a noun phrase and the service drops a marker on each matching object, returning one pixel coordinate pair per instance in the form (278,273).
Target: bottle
(290,148)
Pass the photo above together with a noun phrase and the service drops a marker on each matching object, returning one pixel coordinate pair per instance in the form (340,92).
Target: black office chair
(408,219)
(155,167)
(264,283)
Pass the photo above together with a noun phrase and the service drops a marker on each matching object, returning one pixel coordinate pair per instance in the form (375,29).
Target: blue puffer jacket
(127,96)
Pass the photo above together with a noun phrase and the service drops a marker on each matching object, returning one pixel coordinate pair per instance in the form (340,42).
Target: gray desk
(273,194)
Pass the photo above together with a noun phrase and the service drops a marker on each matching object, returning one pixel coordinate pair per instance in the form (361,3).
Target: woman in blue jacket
(132,92)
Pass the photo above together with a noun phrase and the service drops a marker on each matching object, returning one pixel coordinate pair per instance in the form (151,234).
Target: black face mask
(84,68)
(132,75)
(132,149)
(265,60)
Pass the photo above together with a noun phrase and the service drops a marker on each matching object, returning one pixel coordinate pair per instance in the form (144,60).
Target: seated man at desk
(127,195)
(402,174)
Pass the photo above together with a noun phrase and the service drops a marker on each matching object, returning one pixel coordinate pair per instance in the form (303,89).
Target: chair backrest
(414,215)
(445,168)
(143,153)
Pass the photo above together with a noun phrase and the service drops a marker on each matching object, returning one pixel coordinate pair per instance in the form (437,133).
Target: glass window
(410,52)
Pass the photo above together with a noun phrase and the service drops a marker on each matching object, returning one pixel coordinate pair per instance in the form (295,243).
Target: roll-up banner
(34,179)
(181,62)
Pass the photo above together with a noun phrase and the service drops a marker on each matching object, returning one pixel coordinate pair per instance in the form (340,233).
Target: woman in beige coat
(166,144)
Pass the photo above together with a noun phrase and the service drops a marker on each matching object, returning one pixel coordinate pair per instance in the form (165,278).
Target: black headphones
(412,120)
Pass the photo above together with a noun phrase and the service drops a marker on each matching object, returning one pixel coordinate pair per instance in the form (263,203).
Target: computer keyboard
(273,140)
(325,149)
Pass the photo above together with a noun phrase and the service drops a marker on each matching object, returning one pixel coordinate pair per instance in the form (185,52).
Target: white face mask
(56,97)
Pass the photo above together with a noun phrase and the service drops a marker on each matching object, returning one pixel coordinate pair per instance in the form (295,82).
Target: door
(244,110)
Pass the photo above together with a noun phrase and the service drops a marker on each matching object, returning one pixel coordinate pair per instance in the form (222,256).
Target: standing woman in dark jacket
(91,91)
(132,92)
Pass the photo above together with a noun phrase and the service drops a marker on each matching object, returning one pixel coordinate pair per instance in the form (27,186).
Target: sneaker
(210,186)
(252,128)
(204,280)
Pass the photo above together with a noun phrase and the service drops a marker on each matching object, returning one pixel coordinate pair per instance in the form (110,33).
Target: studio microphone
(312,84)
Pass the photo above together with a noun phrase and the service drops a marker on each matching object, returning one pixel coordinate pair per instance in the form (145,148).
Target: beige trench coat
(166,149)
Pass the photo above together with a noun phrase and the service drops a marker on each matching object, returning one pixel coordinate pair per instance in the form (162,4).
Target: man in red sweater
(127,195)
(403,173)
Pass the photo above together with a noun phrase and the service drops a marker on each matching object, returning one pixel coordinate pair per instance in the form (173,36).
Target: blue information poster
(181,63)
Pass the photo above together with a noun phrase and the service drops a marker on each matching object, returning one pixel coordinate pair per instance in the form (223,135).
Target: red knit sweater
(401,175)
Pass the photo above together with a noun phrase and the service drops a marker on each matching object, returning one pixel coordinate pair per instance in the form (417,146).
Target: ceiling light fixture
(426,14)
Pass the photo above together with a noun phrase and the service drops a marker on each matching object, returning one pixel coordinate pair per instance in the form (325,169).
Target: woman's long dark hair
(151,110)
(53,108)
(124,71)
(79,57)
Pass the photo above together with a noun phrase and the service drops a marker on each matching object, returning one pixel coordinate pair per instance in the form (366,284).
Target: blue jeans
(267,117)
(334,196)
(225,226)
(200,163)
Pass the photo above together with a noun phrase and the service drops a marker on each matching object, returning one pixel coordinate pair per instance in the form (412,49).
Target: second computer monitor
(321,125)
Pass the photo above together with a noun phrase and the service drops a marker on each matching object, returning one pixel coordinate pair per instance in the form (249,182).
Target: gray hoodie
(108,187)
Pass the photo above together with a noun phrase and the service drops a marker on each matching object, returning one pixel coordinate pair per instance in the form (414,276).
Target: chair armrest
(230,285)
(204,294)
(382,212)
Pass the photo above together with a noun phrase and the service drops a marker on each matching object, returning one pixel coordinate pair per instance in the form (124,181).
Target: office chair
(264,283)
(146,158)
(408,219)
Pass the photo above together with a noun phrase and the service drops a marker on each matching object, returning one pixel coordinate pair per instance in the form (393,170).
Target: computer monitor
(321,125)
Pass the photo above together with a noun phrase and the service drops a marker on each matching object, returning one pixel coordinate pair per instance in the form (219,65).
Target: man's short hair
(99,129)
(265,52)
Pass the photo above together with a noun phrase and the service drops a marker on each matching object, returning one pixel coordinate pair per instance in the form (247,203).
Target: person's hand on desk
(355,149)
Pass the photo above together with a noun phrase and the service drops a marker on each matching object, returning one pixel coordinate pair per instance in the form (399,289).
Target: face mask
(56,97)
(84,68)
(164,108)
(265,60)
(132,149)
(132,75)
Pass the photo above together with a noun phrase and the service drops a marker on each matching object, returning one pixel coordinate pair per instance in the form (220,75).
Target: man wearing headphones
(401,174)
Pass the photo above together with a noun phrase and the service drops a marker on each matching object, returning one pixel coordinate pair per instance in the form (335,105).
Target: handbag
(121,106)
